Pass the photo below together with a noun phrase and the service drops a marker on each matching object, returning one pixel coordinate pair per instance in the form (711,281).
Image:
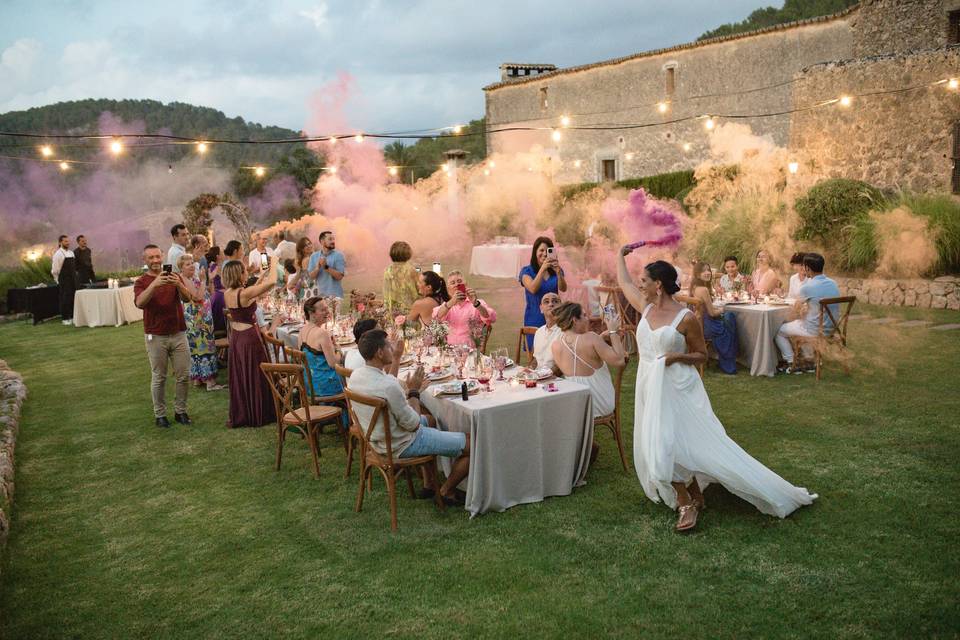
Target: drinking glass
(500,361)
(485,372)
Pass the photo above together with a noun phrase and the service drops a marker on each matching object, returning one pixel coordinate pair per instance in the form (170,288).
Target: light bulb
(392,171)
(458,129)
(564,121)
(486,172)
(46,151)
(662,107)
(556,135)
(953,83)
(629,156)
(709,124)
(793,167)
(577,163)
(333,141)
(116,147)
(845,101)
(201,148)
(687,146)
(332,170)
(358,138)
(493,164)
(64,166)
(259,171)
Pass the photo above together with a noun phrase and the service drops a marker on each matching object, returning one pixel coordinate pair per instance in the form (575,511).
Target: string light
(793,167)
(46,151)
(687,146)
(116,147)
(358,138)
(564,121)
(556,135)
(333,140)
(457,129)
(493,164)
(709,124)
(663,107)
(201,148)
(332,170)
(845,101)
(259,171)
(577,163)
(392,171)
(629,156)
(953,84)
(486,172)
(64,166)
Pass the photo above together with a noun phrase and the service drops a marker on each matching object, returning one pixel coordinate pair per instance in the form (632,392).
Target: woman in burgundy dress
(251,403)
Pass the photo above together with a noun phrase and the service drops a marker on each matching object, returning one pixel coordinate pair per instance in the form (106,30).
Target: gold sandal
(684,510)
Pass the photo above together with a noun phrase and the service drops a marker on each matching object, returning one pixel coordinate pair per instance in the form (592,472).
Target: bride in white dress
(679,445)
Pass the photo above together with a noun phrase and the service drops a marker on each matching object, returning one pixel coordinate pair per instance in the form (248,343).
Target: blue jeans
(434,442)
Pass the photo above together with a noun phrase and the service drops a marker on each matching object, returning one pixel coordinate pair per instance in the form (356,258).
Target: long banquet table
(526,444)
(499,260)
(105,307)
(757,325)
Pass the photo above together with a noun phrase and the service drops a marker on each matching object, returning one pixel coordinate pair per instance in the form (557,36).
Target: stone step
(945,327)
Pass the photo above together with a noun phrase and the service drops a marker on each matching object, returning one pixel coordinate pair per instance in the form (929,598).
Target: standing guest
(199,245)
(181,237)
(255,257)
(719,326)
(286,249)
(293,283)
(215,260)
(547,334)
(542,276)
(433,291)
(160,294)
(327,267)
(400,279)
(321,353)
(351,358)
(460,308)
(84,258)
(304,251)
(764,279)
(731,275)
(251,402)
(198,315)
(233,250)
(799,275)
(816,287)
(411,433)
(64,271)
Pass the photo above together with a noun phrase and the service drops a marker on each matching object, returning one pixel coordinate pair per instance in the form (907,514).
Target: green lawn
(122,530)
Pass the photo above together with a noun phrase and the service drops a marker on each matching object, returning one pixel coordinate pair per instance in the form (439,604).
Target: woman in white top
(583,356)
(798,277)
(679,444)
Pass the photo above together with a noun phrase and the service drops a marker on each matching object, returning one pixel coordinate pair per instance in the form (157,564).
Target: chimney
(514,70)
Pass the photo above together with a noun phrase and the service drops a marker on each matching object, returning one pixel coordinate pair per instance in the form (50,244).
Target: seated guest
(460,308)
(545,335)
(320,351)
(764,279)
(799,275)
(251,401)
(731,268)
(411,434)
(352,359)
(400,279)
(583,356)
(719,326)
(816,287)
(433,292)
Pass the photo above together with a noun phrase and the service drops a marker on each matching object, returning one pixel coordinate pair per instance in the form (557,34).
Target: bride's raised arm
(633,295)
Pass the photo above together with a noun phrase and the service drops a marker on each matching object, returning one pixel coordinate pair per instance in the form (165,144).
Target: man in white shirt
(799,275)
(732,275)
(64,271)
(543,339)
(410,433)
(351,357)
(180,237)
(816,287)
(254,257)
(286,250)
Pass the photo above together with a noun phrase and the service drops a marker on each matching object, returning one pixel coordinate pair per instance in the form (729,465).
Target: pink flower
(399,320)
(361,307)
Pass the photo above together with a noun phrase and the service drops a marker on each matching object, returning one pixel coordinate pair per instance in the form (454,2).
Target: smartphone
(168,268)
(462,288)
(549,252)
(264,261)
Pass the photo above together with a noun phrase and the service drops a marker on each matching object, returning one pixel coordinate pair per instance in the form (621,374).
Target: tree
(771,16)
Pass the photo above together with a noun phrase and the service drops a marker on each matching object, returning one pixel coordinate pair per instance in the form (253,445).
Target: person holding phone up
(542,276)
(161,293)
(460,308)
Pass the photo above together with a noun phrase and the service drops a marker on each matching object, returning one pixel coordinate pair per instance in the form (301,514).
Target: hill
(791,11)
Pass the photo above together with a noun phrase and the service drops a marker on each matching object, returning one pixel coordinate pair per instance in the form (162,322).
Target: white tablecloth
(105,307)
(526,444)
(757,325)
(499,260)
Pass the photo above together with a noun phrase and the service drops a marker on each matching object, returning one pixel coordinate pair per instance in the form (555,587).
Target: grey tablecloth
(526,444)
(757,324)
(105,307)
(289,334)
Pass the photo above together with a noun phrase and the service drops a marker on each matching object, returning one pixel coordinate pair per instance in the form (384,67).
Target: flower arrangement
(478,331)
(437,332)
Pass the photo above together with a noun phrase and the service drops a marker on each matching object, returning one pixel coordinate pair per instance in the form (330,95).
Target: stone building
(631,105)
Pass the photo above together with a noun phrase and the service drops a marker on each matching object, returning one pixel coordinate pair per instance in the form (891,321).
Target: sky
(417,65)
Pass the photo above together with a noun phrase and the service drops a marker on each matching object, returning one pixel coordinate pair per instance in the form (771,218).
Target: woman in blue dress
(321,353)
(542,276)
(719,326)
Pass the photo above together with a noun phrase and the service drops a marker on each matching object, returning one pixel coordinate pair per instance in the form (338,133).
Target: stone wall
(627,91)
(941,293)
(12,394)
(897,140)
(893,26)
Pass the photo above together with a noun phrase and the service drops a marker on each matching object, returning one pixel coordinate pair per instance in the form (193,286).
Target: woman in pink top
(460,308)
(764,279)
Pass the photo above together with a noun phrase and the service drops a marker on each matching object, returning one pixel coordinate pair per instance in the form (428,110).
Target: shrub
(943,211)
(737,226)
(664,185)
(858,249)
(832,205)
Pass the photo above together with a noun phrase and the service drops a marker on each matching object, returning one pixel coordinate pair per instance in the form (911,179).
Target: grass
(122,530)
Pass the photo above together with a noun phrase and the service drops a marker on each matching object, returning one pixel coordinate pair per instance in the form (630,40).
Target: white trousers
(787,329)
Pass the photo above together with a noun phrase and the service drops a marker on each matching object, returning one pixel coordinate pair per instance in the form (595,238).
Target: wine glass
(500,361)
(485,372)
(460,355)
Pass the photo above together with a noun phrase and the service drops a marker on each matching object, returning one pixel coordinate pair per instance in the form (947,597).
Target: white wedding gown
(676,435)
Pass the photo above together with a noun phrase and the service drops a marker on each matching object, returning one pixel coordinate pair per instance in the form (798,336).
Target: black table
(41,302)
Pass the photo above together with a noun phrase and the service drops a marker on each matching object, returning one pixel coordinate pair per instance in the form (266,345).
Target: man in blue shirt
(327,266)
(816,287)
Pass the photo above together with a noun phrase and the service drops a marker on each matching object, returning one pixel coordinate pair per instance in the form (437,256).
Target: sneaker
(793,370)
(66,322)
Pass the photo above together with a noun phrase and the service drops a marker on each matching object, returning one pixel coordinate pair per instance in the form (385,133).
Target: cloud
(317,15)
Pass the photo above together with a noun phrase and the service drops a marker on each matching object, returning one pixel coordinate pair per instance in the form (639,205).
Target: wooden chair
(388,467)
(823,341)
(354,437)
(295,356)
(628,321)
(286,382)
(275,348)
(612,420)
(695,305)
(522,345)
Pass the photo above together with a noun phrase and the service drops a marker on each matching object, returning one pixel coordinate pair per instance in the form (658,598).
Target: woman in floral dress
(198,315)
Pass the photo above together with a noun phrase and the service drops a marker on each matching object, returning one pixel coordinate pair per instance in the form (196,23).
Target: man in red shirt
(160,294)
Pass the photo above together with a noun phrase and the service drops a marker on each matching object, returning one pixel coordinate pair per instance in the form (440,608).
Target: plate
(453,388)
(536,374)
(439,375)
(344,340)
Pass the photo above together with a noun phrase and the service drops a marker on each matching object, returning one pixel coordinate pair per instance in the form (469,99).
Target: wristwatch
(476,305)
(413,393)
